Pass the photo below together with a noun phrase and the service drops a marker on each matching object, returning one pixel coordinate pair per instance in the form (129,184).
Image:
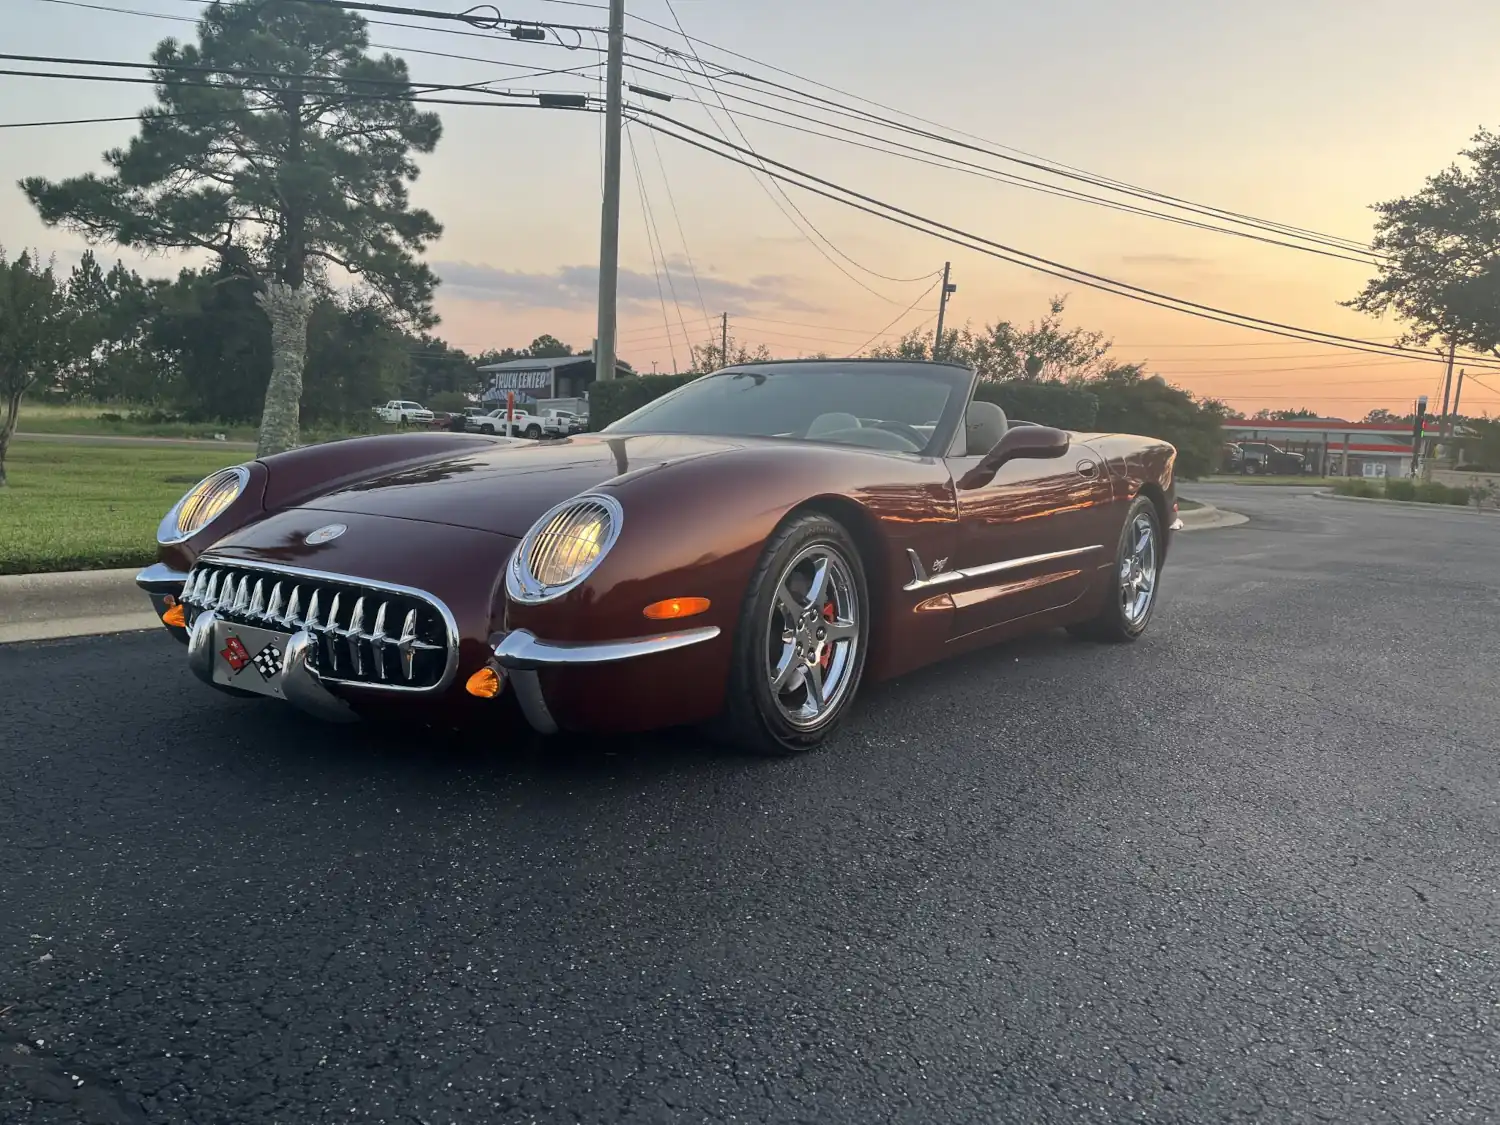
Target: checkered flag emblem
(268,661)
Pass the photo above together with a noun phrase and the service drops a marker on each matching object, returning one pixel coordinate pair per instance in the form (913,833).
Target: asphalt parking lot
(1243,870)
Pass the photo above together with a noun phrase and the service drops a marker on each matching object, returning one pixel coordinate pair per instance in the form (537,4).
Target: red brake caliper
(827,656)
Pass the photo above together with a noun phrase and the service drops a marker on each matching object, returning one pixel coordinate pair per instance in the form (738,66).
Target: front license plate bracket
(249,659)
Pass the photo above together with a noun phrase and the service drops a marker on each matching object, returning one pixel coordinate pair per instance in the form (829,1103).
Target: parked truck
(400,412)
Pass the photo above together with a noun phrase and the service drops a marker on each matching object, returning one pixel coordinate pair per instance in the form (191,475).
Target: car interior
(984,425)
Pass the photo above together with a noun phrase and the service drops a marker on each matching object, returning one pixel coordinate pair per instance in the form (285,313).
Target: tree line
(281,150)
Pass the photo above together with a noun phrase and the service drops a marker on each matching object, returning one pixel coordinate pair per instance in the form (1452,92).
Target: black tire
(753,718)
(488,430)
(1114,624)
(534,432)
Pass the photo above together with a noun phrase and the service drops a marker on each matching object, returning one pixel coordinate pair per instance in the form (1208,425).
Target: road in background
(1244,869)
(124,439)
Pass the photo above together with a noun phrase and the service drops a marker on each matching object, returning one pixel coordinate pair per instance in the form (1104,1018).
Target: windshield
(898,406)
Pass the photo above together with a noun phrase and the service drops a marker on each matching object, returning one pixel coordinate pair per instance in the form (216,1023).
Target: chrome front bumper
(160,583)
(298,682)
(522,654)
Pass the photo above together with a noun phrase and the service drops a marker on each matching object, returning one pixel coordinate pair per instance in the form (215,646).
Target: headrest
(828,423)
(984,425)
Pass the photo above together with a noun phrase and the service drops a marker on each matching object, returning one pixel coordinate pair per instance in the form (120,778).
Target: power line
(789,202)
(950,163)
(677,218)
(1034,262)
(655,231)
(473,16)
(1044,163)
(489,37)
(378,46)
(901,316)
(419,90)
(650,224)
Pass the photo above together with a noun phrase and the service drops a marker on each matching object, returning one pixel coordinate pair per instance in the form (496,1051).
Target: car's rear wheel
(801,640)
(534,432)
(1134,580)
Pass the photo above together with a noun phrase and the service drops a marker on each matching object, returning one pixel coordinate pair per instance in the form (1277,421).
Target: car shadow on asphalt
(505,753)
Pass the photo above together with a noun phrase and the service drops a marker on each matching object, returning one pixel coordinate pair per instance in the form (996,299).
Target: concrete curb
(1208,517)
(1404,503)
(71,603)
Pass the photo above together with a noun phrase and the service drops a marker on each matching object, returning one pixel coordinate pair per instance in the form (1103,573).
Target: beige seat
(984,425)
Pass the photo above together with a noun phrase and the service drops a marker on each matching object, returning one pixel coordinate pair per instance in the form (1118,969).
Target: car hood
(505,488)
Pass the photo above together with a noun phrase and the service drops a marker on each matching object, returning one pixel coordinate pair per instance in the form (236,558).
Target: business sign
(522,380)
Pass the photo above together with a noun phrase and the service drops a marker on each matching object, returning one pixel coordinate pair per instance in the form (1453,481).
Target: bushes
(1047,404)
(1400,488)
(612,400)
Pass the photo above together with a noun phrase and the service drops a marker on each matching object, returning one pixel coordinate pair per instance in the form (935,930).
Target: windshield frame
(960,378)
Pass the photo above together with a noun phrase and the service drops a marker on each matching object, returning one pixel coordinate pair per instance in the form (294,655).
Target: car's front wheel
(1134,580)
(801,641)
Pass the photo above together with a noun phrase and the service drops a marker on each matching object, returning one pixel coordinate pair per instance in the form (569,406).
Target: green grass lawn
(1187,505)
(122,421)
(91,507)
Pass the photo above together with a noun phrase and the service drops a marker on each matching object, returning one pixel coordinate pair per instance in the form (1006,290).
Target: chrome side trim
(521,649)
(159,578)
(406,644)
(921,581)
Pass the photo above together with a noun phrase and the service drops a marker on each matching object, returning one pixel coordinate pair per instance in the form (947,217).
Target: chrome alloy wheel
(813,638)
(1139,570)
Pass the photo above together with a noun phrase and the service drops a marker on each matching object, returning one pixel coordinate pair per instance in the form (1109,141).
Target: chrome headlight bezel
(521,585)
(169,532)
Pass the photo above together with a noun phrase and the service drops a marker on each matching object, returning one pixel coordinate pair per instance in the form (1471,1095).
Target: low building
(566,377)
(1333,447)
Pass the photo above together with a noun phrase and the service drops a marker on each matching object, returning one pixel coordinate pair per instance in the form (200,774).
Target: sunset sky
(1301,111)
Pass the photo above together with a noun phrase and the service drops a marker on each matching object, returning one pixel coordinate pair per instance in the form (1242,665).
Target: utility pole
(1453,418)
(1447,387)
(1420,415)
(724,340)
(948,290)
(609,221)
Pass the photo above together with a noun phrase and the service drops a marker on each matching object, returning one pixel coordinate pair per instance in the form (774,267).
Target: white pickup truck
(399,412)
(550,423)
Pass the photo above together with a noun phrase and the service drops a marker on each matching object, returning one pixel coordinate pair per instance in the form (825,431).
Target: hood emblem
(325,534)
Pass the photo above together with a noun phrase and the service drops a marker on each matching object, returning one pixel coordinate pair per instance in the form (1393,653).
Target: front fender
(695,528)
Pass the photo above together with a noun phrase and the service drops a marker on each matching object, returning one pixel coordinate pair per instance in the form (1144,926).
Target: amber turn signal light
(673,608)
(176,616)
(484,683)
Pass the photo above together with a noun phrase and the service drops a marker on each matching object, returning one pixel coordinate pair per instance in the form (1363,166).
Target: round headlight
(563,547)
(204,502)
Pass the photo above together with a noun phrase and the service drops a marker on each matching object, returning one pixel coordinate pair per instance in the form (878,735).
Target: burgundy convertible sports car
(744,552)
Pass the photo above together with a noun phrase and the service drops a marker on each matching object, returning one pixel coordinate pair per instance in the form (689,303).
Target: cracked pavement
(1244,869)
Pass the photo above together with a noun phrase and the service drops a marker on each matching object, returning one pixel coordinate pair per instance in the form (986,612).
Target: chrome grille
(368,634)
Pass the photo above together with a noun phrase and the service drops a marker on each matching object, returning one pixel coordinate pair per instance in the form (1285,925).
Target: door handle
(1087,468)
